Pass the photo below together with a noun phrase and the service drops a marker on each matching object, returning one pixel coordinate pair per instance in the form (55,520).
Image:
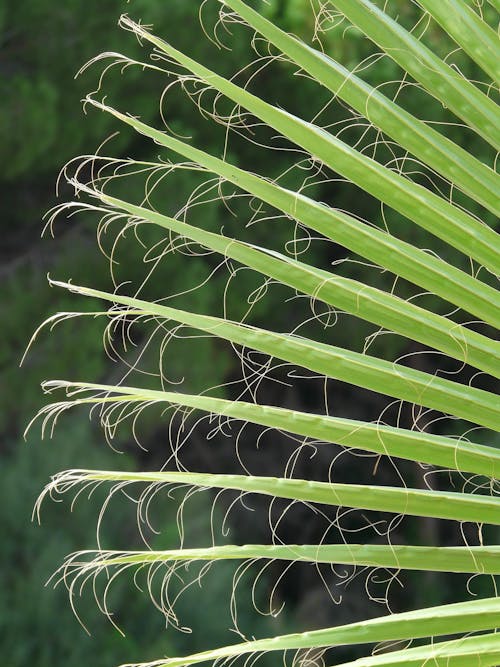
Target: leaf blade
(474,560)
(390,441)
(431,621)
(401,501)
(401,258)
(476,405)
(471,33)
(376,306)
(444,156)
(412,200)
(457,93)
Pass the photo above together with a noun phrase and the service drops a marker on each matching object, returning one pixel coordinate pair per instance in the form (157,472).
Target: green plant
(466,189)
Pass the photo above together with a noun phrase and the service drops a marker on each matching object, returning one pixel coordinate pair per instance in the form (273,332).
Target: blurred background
(42,126)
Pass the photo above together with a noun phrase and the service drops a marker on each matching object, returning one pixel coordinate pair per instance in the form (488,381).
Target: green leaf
(471,33)
(404,501)
(481,651)
(371,304)
(476,405)
(434,621)
(413,445)
(475,560)
(437,151)
(401,258)
(459,229)
(438,78)
(414,201)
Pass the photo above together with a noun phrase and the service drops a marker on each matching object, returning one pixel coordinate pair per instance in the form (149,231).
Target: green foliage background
(41,127)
